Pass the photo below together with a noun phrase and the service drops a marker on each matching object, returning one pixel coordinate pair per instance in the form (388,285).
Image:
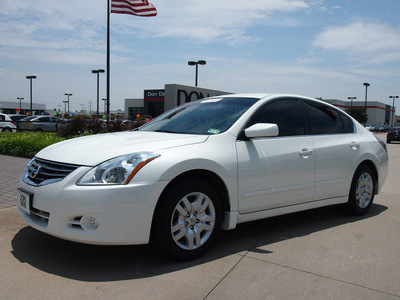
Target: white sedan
(201,167)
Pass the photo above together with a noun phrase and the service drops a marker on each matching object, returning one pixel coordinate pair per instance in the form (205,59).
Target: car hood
(94,149)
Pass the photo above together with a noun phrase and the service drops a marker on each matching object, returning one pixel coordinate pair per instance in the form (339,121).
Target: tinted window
(286,113)
(347,124)
(2,118)
(326,120)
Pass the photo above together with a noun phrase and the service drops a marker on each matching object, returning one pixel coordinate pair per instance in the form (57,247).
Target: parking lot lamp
(66,94)
(351,99)
(105,106)
(196,63)
(65,107)
(366,84)
(98,73)
(394,110)
(30,77)
(20,103)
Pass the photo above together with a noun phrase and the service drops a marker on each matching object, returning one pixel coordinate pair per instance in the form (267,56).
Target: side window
(323,119)
(347,124)
(2,118)
(286,113)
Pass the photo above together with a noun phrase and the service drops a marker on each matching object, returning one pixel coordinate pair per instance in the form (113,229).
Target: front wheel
(188,219)
(362,191)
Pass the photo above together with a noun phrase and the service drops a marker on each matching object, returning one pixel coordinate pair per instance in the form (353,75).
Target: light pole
(65,107)
(20,103)
(351,99)
(196,63)
(66,94)
(366,84)
(105,105)
(394,110)
(30,78)
(98,72)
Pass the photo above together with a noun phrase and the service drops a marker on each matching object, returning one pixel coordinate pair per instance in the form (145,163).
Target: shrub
(26,144)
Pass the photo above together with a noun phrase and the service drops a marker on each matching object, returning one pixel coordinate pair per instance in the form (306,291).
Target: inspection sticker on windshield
(211,100)
(213,131)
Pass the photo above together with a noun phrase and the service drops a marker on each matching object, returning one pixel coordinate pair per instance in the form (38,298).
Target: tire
(187,220)
(388,141)
(7,129)
(362,191)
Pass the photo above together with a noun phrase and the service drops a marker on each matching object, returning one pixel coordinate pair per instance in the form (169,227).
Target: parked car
(200,167)
(6,124)
(39,123)
(393,135)
(16,118)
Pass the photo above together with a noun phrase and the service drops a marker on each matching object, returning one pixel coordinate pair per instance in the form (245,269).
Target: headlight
(119,170)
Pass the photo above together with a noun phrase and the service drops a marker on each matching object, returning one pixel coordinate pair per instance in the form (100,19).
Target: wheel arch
(206,175)
(374,169)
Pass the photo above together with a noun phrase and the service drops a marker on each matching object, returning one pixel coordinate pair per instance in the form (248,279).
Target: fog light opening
(89,223)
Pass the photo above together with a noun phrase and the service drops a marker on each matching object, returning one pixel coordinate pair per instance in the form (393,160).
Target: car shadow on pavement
(111,263)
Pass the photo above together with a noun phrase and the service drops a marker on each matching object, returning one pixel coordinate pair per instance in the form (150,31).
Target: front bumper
(102,215)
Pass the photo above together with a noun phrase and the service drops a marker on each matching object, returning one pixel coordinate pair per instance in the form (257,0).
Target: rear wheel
(362,191)
(188,219)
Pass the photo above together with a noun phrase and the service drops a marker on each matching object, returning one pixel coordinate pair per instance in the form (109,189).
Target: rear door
(337,149)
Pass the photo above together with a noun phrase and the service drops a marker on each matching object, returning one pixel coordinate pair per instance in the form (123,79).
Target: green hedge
(26,144)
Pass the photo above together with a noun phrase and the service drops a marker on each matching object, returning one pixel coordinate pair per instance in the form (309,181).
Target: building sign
(151,95)
(185,96)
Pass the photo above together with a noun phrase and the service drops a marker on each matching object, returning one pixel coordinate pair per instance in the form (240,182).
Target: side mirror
(262,130)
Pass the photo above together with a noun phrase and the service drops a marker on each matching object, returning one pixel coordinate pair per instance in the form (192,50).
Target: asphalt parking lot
(318,254)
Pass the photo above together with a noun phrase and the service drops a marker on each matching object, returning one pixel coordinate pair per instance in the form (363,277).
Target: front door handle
(305,153)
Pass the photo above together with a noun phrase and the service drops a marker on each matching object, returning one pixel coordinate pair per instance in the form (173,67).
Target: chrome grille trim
(41,172)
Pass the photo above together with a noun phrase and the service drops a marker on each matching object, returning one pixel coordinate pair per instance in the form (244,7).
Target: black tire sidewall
(352,206)
(161,236)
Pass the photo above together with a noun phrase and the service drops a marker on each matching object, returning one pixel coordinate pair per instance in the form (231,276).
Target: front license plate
(25,200)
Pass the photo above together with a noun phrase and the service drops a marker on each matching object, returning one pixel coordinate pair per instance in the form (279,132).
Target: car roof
(6,117)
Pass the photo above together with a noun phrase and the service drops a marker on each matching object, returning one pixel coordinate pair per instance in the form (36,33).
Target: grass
(26,144)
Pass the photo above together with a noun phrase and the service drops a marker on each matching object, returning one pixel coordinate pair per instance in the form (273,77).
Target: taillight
(381,141)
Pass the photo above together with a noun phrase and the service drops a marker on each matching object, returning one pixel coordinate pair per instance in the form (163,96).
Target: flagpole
(108,59)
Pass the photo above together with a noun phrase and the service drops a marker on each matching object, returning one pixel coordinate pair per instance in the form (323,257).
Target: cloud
(210,20)
(375,42)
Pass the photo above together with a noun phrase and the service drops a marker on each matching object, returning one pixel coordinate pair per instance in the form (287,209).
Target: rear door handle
(354,145)
(305,152)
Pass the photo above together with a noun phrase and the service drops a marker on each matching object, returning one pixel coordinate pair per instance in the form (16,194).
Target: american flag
(140,8)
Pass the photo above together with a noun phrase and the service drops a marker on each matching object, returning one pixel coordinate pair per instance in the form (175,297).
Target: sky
(315,48)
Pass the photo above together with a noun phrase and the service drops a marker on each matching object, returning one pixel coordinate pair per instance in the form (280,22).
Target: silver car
(6,124)
(39,123)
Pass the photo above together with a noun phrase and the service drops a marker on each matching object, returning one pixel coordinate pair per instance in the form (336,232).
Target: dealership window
(133,111)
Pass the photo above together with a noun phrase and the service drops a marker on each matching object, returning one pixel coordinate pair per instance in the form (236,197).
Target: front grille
(41,172)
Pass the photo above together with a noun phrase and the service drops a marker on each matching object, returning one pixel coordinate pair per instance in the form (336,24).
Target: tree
(358,113)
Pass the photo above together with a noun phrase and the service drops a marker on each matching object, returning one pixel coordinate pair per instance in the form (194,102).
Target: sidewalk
(10,169)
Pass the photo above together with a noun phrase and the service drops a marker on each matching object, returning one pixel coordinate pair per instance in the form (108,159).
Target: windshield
(205,116)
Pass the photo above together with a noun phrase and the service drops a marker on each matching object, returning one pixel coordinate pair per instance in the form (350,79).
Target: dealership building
(155,102)
(378,113)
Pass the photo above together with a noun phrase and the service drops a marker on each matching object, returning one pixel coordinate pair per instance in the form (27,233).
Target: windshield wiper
(166,131)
